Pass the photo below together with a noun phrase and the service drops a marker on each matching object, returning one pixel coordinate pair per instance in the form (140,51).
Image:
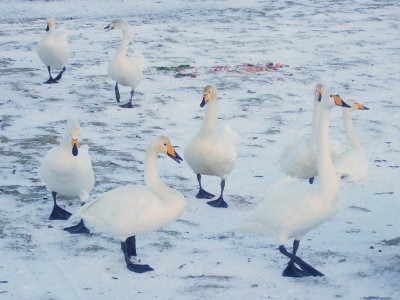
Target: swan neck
(210,117)
(314,125)
(151,176)
(123,48)
(326,170)
(351,134)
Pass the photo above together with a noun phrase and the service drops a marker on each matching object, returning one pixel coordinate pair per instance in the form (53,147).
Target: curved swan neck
(351,134)
(210,117)
(326,170)
(151,177)
(123,48)
(314,124)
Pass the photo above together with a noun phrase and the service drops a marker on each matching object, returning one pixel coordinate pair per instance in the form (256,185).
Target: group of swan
(52,49)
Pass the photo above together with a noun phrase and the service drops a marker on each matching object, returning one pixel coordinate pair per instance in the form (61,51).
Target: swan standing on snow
(212,152)
(299,158)
(352,165)
(53,50)
(293,208)
(67,169)
(124,70)
(130,210)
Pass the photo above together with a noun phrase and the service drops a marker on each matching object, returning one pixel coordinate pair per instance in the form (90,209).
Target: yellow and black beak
(74,143)
(339,101)
(205,100)
(48,26)
(108,28)
(319,93)
(172,153)
(362,107)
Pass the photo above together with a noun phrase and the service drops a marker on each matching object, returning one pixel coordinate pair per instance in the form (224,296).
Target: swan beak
(204,101)
(339,101)
(108,28)
(362,107)
(48,26)
(75,147)
(319,93)
(172,153)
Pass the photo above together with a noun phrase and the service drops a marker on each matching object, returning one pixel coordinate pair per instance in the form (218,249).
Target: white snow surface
(352,46)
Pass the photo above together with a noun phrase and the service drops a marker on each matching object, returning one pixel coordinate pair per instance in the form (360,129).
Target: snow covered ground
(352,46)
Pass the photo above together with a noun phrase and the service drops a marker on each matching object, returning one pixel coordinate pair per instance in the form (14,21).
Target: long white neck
(351,134)
(210,117)
(123,48)
(151,177)
(326,171)
(314,125)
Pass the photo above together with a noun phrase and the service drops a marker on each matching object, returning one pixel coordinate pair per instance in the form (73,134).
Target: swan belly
(67,174)
(126,72)
(53,51)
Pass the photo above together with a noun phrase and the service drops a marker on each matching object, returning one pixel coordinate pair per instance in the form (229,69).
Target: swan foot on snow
(202,194)
(137,268)
(292,271)
(220,203)
(311,180)
(58,77)
(78,228)
(58,213)
(127,105)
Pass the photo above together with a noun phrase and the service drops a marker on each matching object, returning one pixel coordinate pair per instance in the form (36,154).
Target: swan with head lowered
(52,49)
(212,152)
(131,210)
(127,71)
(299,158)
(67,169)
(351,164)
(293,208)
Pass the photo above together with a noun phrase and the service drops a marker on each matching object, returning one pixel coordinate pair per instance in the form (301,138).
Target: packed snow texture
(352,46)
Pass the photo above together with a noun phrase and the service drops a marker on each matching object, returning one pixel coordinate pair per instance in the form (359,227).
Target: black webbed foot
(127,105)
(202,194)
(219,203)
(59,213)
(78,228)
(292,271)
(58,77)
(50,81)
(311,180)
(138,268)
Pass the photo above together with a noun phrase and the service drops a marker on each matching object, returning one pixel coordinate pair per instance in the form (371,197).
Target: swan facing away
(53,51)
(131,210)
(67,169)
(352,165)
(299,157)
(127,71)
(293,208)
(212,152)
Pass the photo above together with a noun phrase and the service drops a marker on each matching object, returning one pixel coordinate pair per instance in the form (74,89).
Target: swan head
(318,92)
(162,144)
(50,23)
(355,105)
(330,98)
(72,132)
(115,25)
(209,92)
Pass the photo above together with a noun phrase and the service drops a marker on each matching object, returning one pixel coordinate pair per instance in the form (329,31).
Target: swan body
(52,49)
(212,152)
(67,169)
(352,164)
(299,157)
(127,71)
(131,210)
(292,209)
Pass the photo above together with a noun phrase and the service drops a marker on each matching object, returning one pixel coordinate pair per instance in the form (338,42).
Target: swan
(352,165)
(299,158)
(124,70)
(131,210)
(211,152)
(67,169)
(52,49)
(294,208)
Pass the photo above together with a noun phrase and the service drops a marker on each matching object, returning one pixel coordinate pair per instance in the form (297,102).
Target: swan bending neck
(151,176)
(210,117)
(351,134)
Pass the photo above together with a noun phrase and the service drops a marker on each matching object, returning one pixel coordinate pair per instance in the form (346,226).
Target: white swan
(130,210)
(124,70)
(67,169)
(212,152)
(53,49)
(352,165)
(294,208)
(299,158)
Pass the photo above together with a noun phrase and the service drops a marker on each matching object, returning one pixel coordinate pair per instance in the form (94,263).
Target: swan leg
(50,80)
(311,180)
(291,269)
(78,228)
(128,104)
(58,213)
(131,266)
(117,95)
(202,194)
(60,74)
(131,246)
(220,202)
(307,270)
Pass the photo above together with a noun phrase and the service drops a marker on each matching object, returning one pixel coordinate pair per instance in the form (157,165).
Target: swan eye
(165,144)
